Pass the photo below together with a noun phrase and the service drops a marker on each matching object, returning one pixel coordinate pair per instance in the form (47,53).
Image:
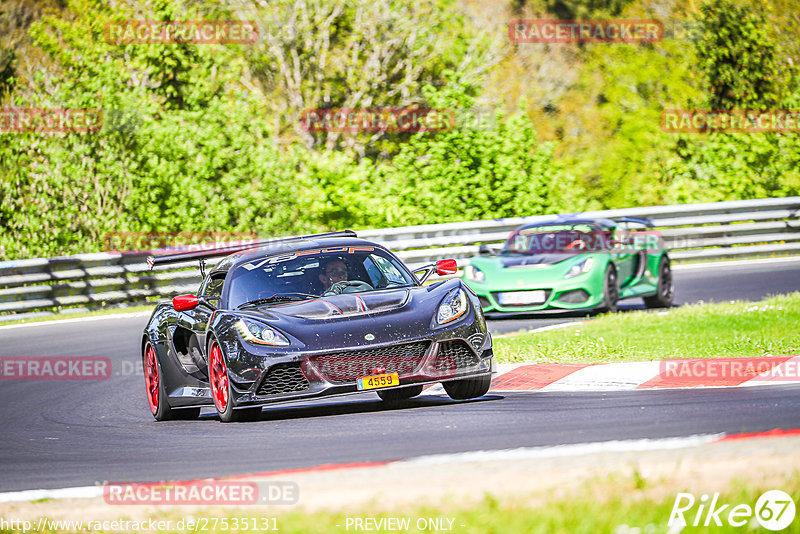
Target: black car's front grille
(454,355)
(344,367)
(283,378)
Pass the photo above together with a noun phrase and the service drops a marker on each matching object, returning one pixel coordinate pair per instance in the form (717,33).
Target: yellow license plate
(378,381)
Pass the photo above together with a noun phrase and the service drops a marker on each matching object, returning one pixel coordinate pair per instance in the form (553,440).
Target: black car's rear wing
(224,251)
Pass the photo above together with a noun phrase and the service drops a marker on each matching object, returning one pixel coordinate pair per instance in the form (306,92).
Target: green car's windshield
(556,239)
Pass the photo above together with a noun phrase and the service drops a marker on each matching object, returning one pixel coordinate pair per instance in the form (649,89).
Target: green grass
(94,313)
(614,504)
(610,505)
(734,329)
(615,512)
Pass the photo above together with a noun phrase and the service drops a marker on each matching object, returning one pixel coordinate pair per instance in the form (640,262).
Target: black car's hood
(344,305)
(524,260)
(389,316)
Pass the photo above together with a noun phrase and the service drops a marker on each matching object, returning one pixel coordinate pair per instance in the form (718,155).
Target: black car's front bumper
(462,352)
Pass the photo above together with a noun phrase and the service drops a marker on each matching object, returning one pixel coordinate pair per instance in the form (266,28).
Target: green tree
(358,54)
(739,58)
(184,146)
(477,171)
(743,69)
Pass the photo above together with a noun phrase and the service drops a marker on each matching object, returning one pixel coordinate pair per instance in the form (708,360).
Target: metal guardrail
(720,230)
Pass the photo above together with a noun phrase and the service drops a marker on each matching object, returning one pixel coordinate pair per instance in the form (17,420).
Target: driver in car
(335,279)
(335,270)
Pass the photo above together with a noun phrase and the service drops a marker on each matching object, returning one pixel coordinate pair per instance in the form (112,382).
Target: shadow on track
(556,314)
(329,409)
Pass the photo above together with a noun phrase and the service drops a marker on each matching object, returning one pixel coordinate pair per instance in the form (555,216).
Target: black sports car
(307,317)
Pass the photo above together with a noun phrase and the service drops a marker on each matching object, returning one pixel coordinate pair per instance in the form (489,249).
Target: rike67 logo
(774,510)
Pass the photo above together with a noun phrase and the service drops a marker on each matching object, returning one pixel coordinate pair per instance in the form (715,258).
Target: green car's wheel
(666,287)
(391,396)
(610,291)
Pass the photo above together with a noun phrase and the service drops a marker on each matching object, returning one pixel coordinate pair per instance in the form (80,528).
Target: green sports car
(573,263)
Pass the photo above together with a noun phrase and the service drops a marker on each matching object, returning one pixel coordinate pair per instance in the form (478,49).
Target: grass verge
(616,503)
(732,329)
(608,505)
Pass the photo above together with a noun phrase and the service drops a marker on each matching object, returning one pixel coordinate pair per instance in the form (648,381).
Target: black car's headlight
(260,334)
(474,274)
(452,307)
(580,268)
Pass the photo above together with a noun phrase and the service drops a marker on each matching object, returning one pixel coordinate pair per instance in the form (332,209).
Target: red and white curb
(711,372)
(522,453)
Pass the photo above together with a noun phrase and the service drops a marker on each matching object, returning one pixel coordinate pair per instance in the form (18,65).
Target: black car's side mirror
(206,301)
(189,302)
(185,302)
(484,250)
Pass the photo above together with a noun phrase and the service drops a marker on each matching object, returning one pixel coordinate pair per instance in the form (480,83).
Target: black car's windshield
(555,239)
(310,274)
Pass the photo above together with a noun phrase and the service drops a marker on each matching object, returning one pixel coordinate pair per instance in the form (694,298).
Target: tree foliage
(355,55)
(206,137)
(744,69)
(478,171)
(740,60)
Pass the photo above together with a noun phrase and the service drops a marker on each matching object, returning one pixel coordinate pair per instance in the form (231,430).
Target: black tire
(243,415)
(157,393)
(392,396)
(666,287)
(610,291)
(468,388)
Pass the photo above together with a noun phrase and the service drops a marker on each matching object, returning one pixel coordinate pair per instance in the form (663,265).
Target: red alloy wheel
(219,377)
(151,377)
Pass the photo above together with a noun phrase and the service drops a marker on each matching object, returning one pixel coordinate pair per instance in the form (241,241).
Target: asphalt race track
(77,433)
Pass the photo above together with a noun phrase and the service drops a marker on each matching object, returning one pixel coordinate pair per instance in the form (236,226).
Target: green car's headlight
(580,268)
(260,334)
(474,274)
(452,307)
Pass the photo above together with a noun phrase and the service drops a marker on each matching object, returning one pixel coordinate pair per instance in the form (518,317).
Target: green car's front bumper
(581,292)
(558,292)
